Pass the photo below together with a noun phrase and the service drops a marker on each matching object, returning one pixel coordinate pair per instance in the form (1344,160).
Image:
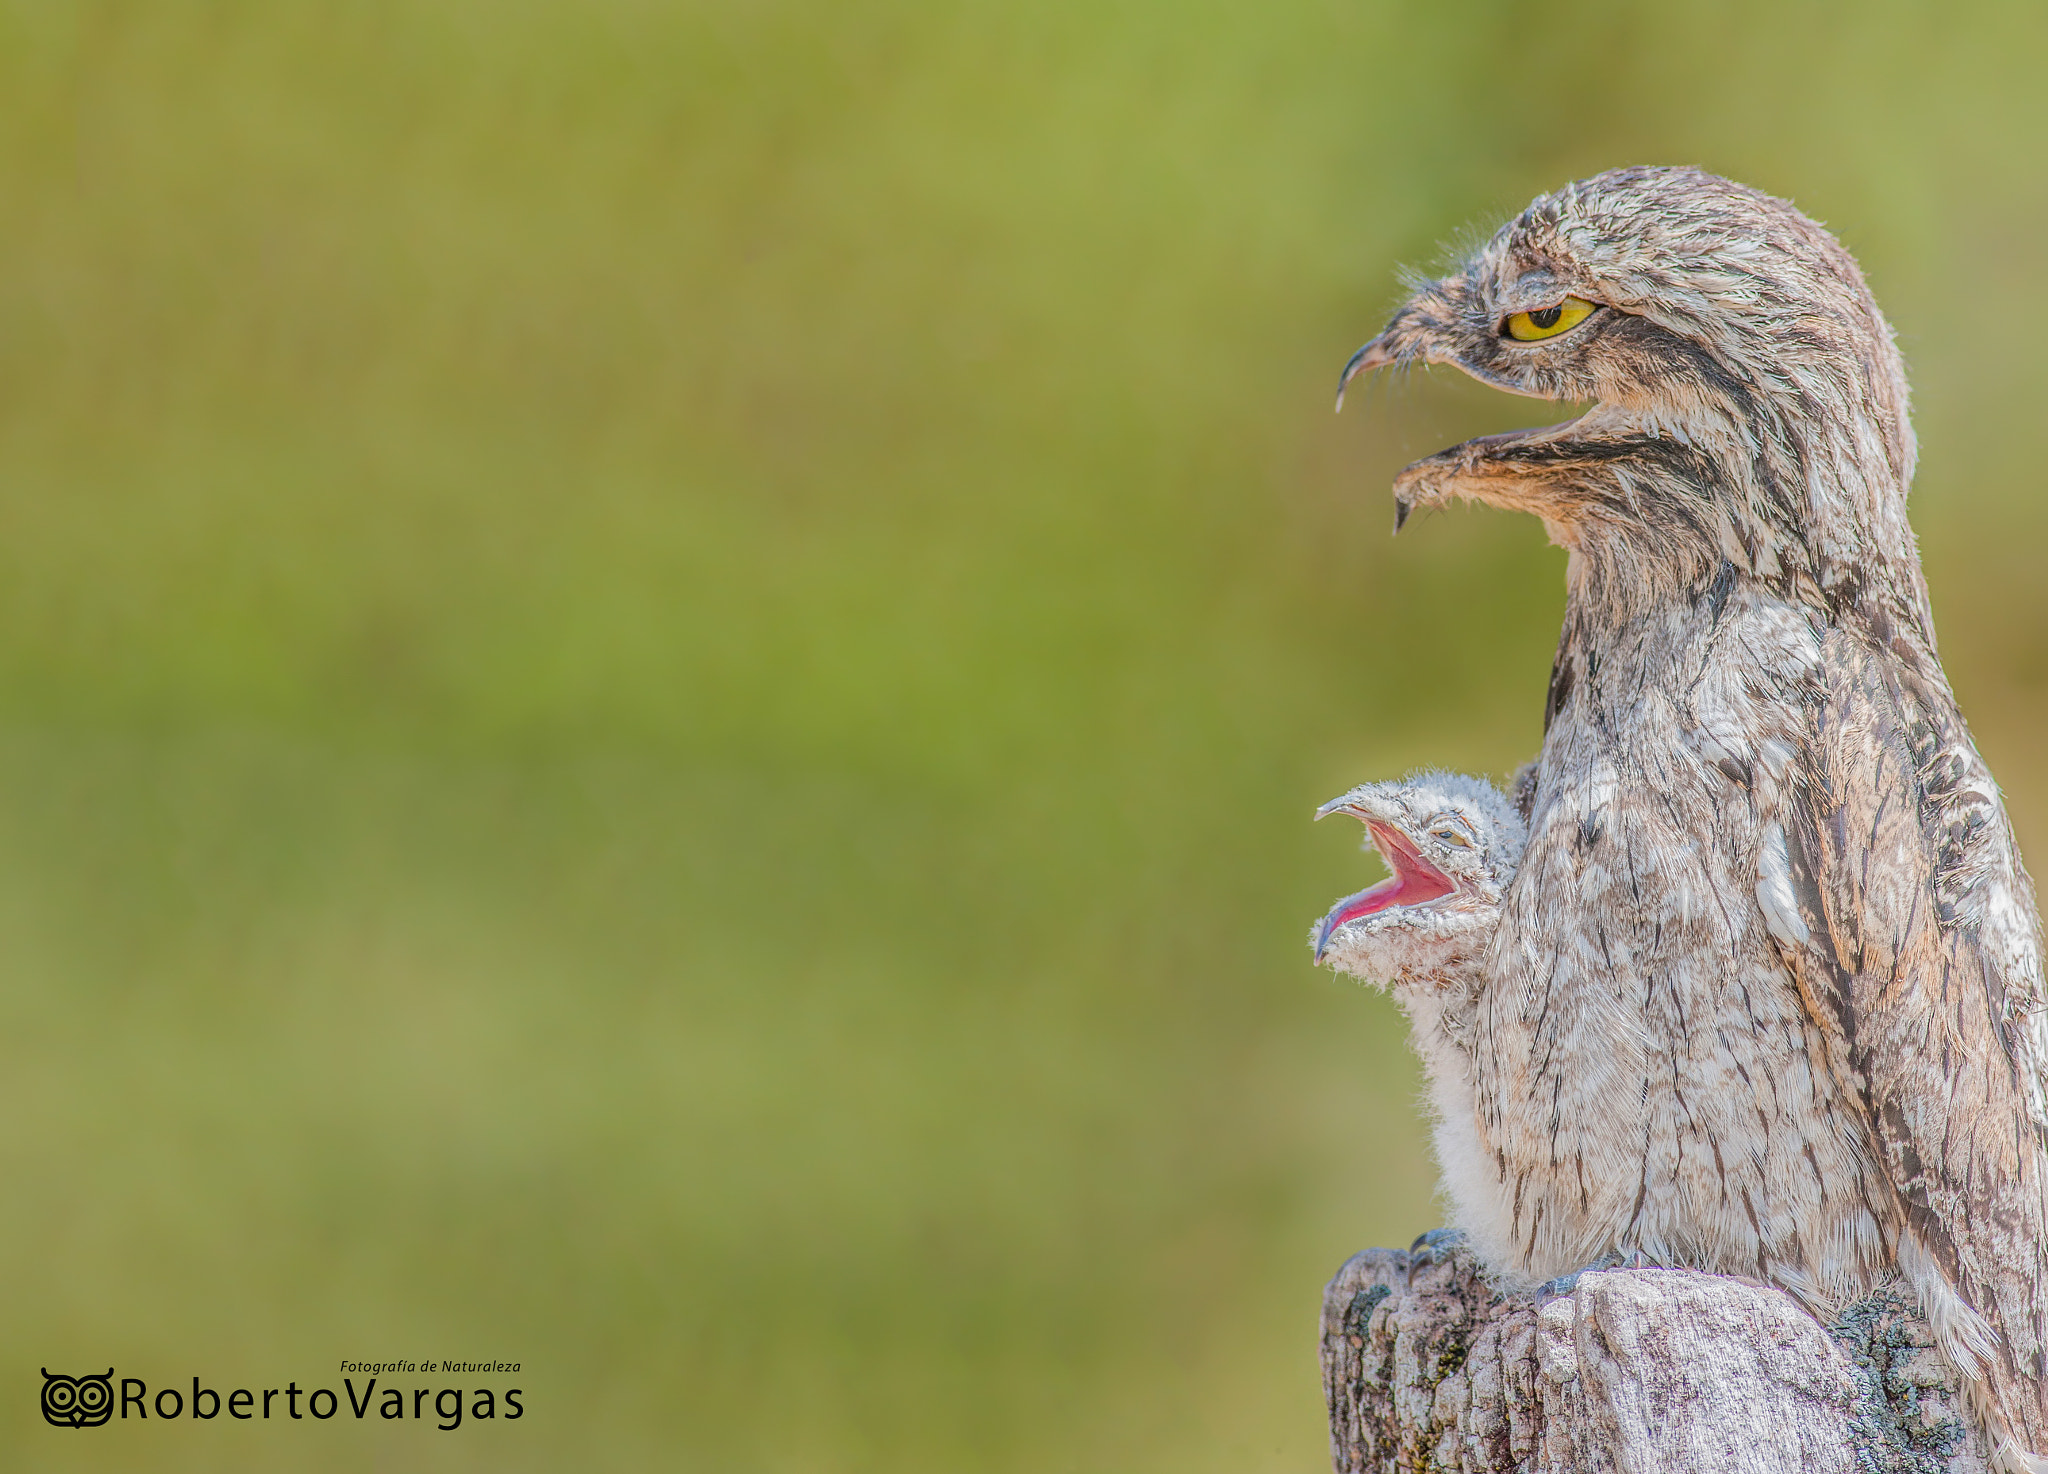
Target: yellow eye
(1548,322)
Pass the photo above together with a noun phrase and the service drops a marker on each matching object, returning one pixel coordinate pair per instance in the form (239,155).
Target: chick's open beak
(1413,882)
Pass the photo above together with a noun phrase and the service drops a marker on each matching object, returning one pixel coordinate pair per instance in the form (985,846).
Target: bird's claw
(1436,1246)
(1564,1284)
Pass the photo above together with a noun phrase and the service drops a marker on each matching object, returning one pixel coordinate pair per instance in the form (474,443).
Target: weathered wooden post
(1428,1369)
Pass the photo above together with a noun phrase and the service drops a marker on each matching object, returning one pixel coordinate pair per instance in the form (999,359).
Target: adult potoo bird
(1765,997)
(1452,843)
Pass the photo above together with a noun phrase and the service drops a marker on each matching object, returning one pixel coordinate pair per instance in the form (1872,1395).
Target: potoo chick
(1765,996)
(1452,843)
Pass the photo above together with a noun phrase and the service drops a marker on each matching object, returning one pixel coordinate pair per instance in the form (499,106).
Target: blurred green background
(662,669)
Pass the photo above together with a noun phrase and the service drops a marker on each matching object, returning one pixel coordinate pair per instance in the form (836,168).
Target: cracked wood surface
(1429,1369)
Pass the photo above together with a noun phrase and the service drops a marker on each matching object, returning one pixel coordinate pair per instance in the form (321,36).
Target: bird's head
(1452,843)
(1748,405)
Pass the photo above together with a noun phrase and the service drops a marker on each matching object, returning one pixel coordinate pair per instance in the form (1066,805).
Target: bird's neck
(1810,510)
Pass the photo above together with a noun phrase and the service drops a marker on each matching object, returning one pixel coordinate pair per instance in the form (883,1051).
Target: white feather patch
(1774,889)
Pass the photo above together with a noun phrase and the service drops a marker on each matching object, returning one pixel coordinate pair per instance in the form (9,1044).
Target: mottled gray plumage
(1765,995)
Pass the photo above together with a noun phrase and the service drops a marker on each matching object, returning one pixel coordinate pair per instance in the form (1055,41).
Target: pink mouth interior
(1414,881)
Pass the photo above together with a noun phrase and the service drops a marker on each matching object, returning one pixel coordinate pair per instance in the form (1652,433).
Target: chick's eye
(1451,836)
(1548,322)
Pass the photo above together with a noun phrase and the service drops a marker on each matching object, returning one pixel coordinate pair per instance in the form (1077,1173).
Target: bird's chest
(1653,794)
(1641,1054)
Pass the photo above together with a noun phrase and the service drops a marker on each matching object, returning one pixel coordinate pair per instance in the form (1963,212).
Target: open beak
(1526,470)
(1380,353)
(1414,880)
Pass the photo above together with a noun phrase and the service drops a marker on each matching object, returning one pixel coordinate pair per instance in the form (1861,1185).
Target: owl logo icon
(77,1402)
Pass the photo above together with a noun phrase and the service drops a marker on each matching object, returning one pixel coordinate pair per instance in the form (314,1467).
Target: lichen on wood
(1430,1368)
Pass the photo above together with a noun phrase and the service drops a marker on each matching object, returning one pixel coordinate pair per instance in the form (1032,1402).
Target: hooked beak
(1422,331)
(1375,355)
